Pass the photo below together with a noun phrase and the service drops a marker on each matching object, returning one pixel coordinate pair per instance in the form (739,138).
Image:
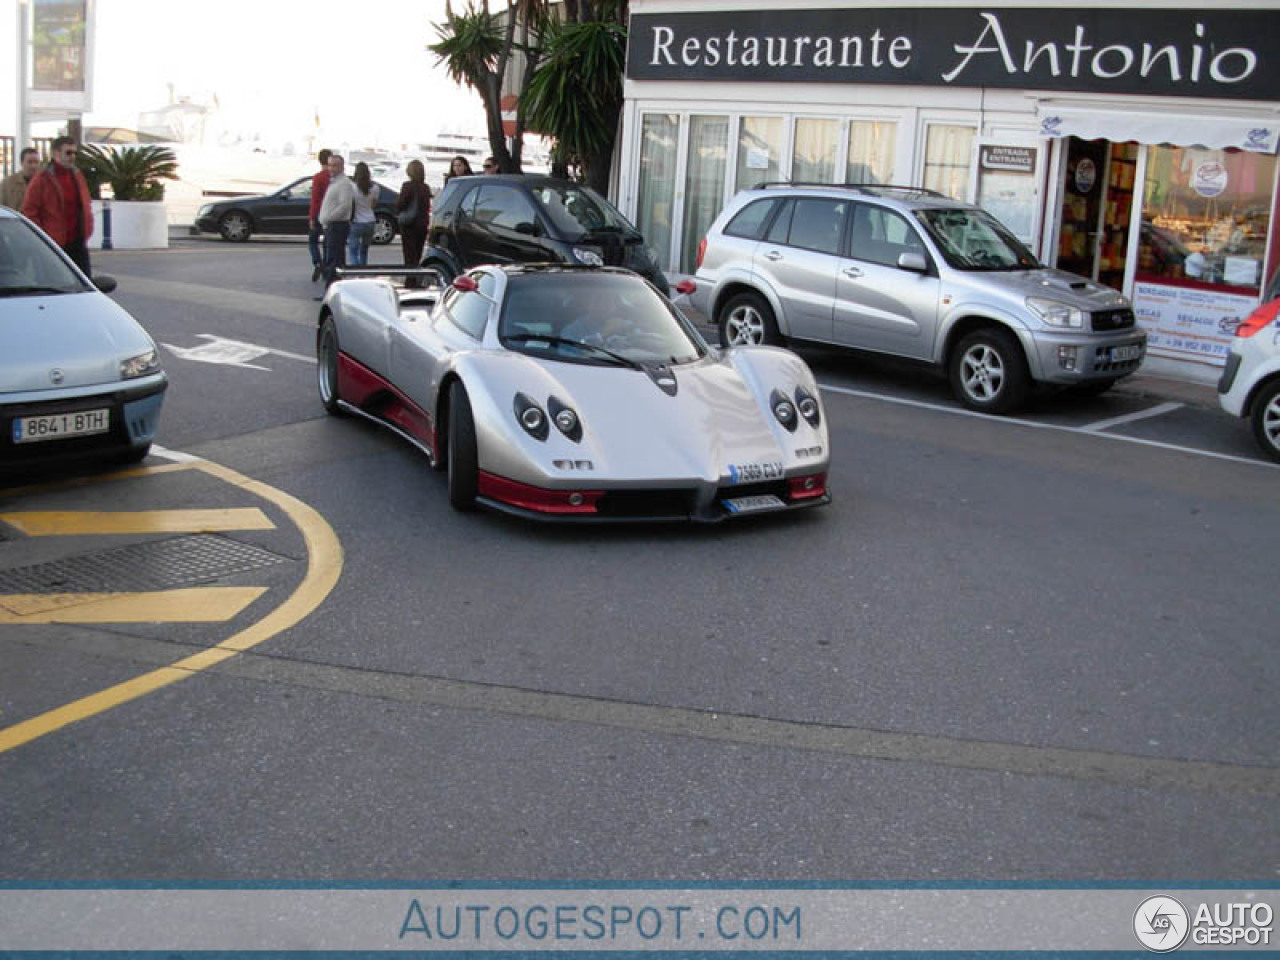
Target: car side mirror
(528,229)
(914,262)
(104,283)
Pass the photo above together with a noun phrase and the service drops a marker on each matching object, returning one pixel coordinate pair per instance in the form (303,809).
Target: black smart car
(531,219)
(284,212)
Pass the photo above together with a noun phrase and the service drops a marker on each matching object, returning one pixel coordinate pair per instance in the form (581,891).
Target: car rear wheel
(464,469)
(327,366)
(236,226)
(988,372)
(1266,419)
(384,229)
(747,320)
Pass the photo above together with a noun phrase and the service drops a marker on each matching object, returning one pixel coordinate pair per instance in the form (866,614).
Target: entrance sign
(1171,52)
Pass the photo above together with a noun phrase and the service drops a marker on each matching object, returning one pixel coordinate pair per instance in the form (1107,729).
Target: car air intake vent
(1113,319)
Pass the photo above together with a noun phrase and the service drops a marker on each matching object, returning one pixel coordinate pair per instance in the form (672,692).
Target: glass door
(1082,189)
(656,193)
(706,166)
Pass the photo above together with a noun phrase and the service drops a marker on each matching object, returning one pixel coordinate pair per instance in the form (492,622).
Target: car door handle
(773,256)
(853,273)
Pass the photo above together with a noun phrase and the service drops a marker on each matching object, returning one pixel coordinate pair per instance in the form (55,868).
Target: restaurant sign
(1172,52)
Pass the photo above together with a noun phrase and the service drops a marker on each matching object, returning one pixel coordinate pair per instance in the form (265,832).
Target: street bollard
(106,225)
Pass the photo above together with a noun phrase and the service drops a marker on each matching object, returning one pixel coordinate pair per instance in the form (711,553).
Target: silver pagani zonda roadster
(572,393)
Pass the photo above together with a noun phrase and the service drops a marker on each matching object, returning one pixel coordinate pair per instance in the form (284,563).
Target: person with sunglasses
(58,202)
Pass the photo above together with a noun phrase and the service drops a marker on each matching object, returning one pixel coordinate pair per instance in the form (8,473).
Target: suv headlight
(140,365)
(588,257)
(1055,313)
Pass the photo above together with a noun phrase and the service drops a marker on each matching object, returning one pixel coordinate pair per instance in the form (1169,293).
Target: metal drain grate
(156,565)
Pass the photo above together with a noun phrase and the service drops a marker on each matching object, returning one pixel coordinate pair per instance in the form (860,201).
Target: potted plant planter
(135,225)
(138,218)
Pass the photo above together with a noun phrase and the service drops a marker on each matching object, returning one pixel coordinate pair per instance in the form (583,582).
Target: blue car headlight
(139,366)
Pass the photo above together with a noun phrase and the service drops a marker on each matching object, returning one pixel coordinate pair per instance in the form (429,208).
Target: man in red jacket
(319,184)
(57,200)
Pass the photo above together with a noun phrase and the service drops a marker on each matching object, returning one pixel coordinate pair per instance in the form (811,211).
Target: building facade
(1130,144)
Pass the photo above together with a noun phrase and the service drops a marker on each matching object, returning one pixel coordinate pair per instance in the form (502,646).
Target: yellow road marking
(62,523)
(187,605)
(324,566)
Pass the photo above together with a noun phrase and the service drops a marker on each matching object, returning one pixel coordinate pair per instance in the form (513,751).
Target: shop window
(871,151)
(657,184)
(704,183)
(947,157)
(1205,217)
(759,151)
(813,157)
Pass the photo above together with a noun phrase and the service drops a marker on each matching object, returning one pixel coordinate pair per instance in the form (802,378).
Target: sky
(273,65)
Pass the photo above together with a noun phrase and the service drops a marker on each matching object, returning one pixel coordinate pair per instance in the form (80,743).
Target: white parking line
(1130,417)
(961,412)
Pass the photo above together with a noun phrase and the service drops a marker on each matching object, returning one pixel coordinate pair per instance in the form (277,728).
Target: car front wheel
(988,372)
(384,230)
(236,227)
(1266,419)
(464,469)
(747,320)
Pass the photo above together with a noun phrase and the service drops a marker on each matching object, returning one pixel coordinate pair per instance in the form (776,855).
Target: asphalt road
(1038,648)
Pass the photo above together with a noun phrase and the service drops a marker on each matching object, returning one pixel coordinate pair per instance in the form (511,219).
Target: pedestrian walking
(458,167)
(319,184)
(14,187)
(363,218)
(57,201)
(413,213)
(335,217)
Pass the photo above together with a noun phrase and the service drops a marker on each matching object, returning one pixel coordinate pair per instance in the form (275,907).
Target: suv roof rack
(867,188)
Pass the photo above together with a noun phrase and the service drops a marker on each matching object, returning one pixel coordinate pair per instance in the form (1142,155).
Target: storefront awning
(1256,132)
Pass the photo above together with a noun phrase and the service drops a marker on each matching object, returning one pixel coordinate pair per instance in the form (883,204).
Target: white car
(1250,384)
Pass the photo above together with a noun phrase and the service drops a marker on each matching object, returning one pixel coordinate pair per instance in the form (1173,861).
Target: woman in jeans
(363,219)
(413,209)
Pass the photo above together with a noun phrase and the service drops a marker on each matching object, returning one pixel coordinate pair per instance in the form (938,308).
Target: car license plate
(753,504)
(1121,354)
(56,426)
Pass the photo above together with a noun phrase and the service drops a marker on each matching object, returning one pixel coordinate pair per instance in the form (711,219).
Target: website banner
(92,921)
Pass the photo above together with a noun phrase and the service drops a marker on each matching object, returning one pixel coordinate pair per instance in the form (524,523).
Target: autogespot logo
(1161,924)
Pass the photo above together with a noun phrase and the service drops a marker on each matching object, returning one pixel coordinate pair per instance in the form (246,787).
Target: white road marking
(177,456)
(233,353)
(1155,411)
(961,412)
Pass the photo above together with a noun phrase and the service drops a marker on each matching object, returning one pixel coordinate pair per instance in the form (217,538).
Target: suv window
(817,224)
(501,206)
(750,220)
(469,311)
(880,236)
(781,225)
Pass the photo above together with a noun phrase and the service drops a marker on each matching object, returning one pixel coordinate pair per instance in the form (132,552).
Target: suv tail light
(702,249)
(1260,319)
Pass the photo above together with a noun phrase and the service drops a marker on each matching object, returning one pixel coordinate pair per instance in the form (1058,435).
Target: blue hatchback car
(79,377)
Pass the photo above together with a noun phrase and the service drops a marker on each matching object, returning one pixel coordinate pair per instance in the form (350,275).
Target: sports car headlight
(784,410)
(139,366)
(1055,313)
(566,419)
(588,257)
(531,417)
(808,406)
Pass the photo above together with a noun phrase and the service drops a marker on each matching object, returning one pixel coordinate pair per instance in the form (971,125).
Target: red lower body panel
(536,498)
(361,387)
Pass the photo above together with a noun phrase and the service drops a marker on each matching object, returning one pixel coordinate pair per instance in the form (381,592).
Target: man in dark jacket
(57,201)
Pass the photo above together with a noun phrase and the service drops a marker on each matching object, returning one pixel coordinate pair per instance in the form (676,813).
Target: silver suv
(909,272)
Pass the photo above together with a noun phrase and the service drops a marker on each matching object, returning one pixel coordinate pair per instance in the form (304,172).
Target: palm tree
(134,173)
(476,47)
(575,95)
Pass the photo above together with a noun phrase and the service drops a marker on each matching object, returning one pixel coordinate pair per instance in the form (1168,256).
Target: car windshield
(29,266)
(609,319)
(972,239)
(580,211)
